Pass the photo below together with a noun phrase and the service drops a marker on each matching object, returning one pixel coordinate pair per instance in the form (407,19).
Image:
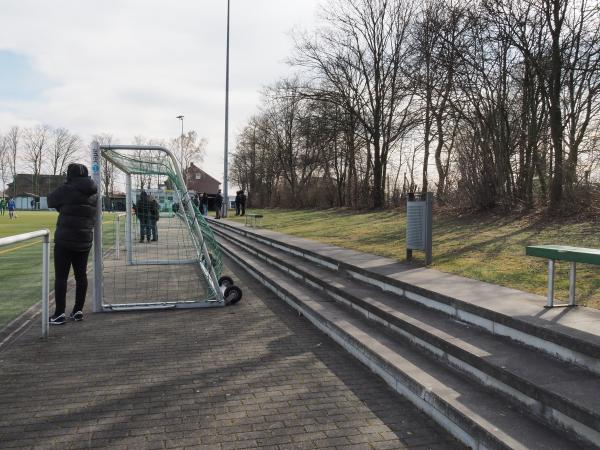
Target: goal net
(164,254)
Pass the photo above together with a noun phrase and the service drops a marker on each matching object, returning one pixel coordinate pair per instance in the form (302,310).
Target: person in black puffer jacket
(75,200)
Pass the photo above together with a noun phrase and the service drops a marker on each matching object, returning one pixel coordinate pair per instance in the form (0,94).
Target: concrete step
(572,335)
(473,413)
(558,393)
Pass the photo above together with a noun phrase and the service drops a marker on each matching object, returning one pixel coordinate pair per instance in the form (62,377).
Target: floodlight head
(179,117)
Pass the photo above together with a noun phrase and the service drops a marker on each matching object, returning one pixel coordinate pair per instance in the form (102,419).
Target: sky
(129,67)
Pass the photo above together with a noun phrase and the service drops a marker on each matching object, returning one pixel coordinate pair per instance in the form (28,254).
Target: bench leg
(551,271)
(572,276)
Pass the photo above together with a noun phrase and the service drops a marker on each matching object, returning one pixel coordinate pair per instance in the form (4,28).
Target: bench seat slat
(565,253)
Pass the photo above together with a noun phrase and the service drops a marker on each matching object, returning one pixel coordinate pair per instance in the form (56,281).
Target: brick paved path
(252,375)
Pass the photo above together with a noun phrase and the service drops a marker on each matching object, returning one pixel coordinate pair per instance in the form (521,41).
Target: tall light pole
(181,118)
(226,155)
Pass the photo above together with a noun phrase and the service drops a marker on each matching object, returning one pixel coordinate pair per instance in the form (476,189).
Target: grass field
(484,247)
(21,264)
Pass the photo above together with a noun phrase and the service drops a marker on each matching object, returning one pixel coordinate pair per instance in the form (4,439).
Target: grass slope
(484,247)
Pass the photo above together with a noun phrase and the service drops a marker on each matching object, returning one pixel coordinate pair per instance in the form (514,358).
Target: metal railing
(45,235)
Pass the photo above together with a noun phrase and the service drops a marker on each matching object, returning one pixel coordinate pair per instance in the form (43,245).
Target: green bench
(253,220)
(563,253)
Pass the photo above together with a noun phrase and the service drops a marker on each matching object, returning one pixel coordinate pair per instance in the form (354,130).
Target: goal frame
(97,155)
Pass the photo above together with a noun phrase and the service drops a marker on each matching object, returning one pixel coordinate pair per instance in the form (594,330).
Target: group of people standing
(201,202)
(147,211)
(10,205)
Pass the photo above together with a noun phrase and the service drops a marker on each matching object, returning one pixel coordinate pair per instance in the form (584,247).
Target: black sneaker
(58,320)
(76,316)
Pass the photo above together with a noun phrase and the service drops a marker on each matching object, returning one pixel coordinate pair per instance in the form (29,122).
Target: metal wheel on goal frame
(232,294)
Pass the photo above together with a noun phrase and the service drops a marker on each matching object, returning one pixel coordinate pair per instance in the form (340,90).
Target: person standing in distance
(154,217)
(218,204)
(204,204)
(242,203)
(11,208)
(237,203)
(143,213)
(75,201)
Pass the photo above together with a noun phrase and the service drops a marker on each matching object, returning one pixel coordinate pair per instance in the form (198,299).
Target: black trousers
(63,260)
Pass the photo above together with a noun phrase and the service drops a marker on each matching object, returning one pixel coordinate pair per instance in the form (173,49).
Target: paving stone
(255,374)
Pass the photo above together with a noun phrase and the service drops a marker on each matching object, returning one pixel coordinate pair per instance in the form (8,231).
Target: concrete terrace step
(558,393)
(571,334)
(474,414)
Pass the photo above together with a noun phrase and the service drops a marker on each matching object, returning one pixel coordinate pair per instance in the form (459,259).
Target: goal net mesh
(161,262)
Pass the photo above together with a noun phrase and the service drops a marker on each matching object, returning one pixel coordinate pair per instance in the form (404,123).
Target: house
(39,186)
(198,181)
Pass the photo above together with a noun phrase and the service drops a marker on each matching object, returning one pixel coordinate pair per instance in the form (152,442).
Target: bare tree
(438,30)
(582,79)
(143,180)
(255,166)
(36,143)
(187,149)
(108,168)
(360,52)
(4,161)
(63,151)
(13,137)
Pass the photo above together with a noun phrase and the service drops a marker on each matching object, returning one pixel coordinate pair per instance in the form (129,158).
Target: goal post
(181,265)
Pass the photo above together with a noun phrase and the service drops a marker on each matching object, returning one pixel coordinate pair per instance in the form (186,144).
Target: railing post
(128,212)
(117,243)
(550,301)
(45,284)
(572,276)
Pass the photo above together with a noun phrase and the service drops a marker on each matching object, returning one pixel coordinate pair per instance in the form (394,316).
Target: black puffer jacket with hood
(76,203)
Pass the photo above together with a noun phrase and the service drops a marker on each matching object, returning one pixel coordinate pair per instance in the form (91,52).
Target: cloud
(128,67)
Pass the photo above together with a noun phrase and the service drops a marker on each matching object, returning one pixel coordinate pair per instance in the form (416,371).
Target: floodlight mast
(180,117)
(226,155)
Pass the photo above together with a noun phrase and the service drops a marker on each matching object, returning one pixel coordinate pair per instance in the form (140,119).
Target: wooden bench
(563,253)
(253,220)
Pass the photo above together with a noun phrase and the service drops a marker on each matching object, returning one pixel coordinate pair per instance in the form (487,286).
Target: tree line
(486,102)
(187,148)
(43,149)
(36,150)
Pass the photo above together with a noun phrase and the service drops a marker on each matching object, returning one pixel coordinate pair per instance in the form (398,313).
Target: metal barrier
(45,235)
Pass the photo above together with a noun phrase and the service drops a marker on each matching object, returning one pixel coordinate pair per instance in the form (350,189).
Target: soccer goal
(165,255)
